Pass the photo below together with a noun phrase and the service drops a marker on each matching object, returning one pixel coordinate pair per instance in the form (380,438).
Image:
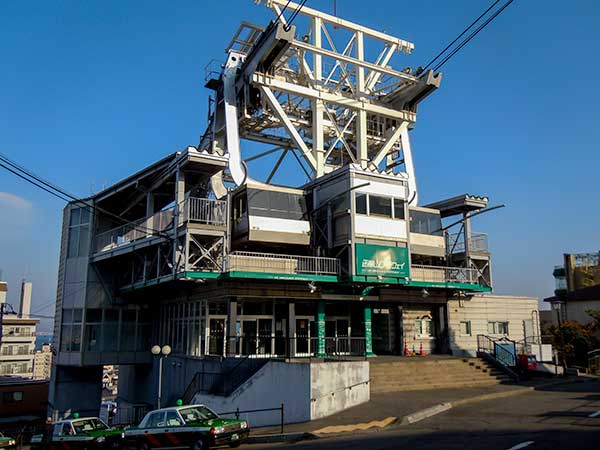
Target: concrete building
(18,336)
(577,288)
(238,275)
(42,363)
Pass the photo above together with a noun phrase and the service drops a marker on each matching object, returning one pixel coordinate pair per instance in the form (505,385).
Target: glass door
(302,337)
(216,333)
(265,336)
(249,331)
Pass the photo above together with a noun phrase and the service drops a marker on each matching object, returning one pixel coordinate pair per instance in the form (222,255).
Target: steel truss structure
(327,94)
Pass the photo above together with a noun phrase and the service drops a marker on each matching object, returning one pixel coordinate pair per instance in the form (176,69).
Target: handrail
(444,274)
(278,263)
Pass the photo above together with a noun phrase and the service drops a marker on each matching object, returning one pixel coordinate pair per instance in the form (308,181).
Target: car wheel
(144,446)
(200,444)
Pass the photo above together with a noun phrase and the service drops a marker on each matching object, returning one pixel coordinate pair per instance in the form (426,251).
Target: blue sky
(91,91)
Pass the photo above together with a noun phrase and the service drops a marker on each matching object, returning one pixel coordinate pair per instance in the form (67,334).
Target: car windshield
(86,425)
(196,414)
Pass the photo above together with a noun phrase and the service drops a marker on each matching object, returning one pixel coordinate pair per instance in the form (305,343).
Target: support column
(149,214)
(291,330)
(368,332)
(231,330)
(178,219)
(467,240)
(321,329)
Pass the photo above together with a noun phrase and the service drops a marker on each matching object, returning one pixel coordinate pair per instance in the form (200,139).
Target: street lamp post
(161,352)
(557,306)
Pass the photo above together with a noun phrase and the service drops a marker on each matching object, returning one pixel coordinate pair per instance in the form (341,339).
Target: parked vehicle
(7,441)
(192,426)
(89,433)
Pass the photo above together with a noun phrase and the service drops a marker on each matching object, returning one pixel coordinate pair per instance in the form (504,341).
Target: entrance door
(265,337)
(249,343)
(303,336)
(216,333)
(336,336)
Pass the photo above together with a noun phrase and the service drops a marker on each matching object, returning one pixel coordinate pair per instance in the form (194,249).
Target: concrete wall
(307,391)
(481,309)
(337,386)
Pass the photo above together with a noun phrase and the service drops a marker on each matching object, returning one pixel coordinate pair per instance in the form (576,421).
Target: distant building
(22,402)
(577,287)
(42,363)
(18,336)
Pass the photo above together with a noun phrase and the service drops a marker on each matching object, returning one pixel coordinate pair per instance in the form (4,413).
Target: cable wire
(294,14)
(61,191)
(460,35)
(472,35)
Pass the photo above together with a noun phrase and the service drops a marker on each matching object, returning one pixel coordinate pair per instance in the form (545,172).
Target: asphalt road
(563,417)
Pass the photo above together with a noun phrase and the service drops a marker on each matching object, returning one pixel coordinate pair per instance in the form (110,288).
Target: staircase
(406,374)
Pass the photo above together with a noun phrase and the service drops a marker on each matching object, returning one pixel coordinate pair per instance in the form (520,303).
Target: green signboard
(377,260)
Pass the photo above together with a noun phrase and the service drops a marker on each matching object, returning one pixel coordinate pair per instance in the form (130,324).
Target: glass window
(75,217)
(92,338)
(76,338)
(93,315)
(425,223)
(380,206)
(424,327)
(65,338)
(498,327)
(155,420)
(173,419)
(73,245)
(197,414)
(465,328)
(398,208)
(361,203)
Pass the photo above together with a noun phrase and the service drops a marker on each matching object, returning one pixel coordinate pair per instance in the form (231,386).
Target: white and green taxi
(88,433)
(191,426)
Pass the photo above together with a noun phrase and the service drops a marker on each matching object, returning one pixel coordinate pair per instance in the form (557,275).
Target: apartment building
(18,336)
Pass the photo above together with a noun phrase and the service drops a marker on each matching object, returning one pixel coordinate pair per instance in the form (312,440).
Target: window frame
(469,328)
(367,196)
(426,321)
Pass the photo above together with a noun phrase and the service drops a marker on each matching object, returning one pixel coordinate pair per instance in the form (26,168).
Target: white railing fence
(442,274)
(275,263)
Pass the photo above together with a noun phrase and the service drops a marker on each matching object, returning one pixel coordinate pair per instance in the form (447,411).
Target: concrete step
(429,386)
(408,374)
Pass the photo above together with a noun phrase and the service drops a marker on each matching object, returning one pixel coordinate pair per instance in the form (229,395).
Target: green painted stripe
(282,276)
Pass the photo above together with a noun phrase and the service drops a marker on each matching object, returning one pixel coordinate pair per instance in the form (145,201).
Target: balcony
(441,274)
(478,243)
(195,210)
(276,266)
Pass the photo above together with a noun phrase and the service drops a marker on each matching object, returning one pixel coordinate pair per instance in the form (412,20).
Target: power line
(34,183)
(50,186)
(472,35)
(460,35)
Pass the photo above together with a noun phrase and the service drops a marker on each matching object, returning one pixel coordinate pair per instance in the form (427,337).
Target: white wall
(337,386)
(308,391)
(380,226)
(480,310)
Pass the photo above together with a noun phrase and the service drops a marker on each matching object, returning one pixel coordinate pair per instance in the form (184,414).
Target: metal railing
(195,210)
(443,274)
(206,211)
(133,231)
(237,413)
(502,349)
(477,243)
(284,264)
(282,347)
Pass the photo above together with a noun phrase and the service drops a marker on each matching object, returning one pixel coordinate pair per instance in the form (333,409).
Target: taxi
(7,442)
(192,426)
(87,433)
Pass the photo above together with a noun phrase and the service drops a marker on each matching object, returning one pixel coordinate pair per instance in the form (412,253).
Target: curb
(425,413)
(286,437)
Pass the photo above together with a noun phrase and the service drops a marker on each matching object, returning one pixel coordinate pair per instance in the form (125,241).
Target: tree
(573,340)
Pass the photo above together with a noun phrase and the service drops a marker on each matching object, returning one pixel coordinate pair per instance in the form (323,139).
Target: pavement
(394,409)
(548,417)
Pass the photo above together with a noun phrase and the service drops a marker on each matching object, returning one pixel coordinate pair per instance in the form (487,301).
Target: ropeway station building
(234,273)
